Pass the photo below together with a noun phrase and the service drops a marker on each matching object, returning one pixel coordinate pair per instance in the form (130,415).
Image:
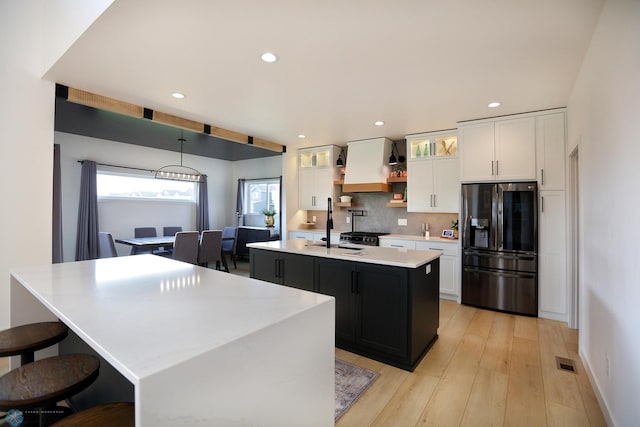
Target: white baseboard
(449,297)
(606,413)
(553,316)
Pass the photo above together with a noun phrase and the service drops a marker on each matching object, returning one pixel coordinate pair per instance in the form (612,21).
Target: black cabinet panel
(265,266)
(381,302)
(297,271)
(335,278)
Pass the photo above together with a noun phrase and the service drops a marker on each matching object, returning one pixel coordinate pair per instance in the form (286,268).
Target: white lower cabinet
(449,261)
(449,266)
(552,265)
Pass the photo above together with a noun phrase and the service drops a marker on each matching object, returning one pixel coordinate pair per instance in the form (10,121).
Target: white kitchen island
(200,347)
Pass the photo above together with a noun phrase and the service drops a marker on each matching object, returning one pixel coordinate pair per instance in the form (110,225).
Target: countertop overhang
(397,257)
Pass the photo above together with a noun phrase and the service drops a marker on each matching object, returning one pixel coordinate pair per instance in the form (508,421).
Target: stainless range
(361,238)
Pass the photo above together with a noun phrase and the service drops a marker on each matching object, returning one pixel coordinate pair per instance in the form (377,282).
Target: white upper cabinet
(477,152)
(550,151)
(316,172)
(498,150)
(433,173)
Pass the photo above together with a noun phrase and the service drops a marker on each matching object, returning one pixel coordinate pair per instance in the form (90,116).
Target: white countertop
(419,238)
(145,313)
(370,254)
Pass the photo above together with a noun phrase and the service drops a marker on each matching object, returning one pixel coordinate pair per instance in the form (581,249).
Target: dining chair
(143,232)
(229,237)
(210,248)
(106,246)
(171,231)
(185,247)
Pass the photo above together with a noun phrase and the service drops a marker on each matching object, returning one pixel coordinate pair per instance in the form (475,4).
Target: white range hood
(367,169)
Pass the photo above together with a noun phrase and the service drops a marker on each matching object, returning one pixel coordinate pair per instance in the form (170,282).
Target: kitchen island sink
(387,304)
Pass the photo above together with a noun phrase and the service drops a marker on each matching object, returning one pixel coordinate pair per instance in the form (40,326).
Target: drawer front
(300,235)
(397,243)
(446,248)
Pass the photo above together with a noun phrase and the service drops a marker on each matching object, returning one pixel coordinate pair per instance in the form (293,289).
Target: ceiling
(418,65)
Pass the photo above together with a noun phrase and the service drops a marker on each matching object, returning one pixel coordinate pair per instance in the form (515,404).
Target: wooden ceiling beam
(116,106)
(104,103)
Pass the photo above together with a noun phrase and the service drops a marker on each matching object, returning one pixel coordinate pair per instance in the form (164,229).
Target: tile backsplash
(378,217)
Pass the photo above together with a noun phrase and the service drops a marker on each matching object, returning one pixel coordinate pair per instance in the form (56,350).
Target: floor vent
(566,365)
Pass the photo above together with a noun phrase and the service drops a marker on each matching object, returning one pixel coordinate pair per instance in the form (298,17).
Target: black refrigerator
(499,246)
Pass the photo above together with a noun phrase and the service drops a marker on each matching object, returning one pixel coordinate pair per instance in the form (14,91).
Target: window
(140,187)
(261,194)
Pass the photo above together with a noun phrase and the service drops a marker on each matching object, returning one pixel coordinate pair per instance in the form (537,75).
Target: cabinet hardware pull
(491,167)
(497,168)
(542,173)
(541,203)
(435,201)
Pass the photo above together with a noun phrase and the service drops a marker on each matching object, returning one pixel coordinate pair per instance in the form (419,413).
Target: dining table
(141,244)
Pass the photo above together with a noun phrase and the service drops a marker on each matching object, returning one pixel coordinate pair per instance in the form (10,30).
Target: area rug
(351,382)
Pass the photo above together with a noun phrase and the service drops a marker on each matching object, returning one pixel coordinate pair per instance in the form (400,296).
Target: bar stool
(25,340)
(118,414)
(43,383)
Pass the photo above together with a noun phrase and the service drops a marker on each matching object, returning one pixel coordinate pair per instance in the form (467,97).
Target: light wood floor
(486,369)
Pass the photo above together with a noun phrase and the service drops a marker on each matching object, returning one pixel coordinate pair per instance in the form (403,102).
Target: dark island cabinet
(386,313)
(371,305)
(282,268)
(335,278)
(382,308)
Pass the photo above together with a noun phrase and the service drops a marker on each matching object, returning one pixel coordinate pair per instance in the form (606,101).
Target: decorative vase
(268,220)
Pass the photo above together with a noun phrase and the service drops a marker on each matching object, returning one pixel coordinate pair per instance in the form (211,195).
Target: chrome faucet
(329,222)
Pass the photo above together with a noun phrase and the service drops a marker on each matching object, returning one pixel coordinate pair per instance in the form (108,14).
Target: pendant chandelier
(179,172)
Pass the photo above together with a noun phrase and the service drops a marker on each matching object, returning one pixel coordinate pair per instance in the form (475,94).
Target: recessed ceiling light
(494,104)
(301,136)
(177,95)
(269,57)
(379,123)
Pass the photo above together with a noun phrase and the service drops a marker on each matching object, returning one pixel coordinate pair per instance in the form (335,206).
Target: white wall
(221,189)
(603,117)
(26,120)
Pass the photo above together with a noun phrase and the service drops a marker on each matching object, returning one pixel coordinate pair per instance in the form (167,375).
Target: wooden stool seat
(25,340)
(47,381)
(118,414)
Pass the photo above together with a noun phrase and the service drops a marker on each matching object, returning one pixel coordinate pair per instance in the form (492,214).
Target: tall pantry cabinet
(552,221)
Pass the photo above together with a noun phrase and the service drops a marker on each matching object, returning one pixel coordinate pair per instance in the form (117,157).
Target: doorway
(574,237)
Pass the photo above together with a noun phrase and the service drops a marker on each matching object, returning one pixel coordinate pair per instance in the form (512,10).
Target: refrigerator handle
(502,273)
